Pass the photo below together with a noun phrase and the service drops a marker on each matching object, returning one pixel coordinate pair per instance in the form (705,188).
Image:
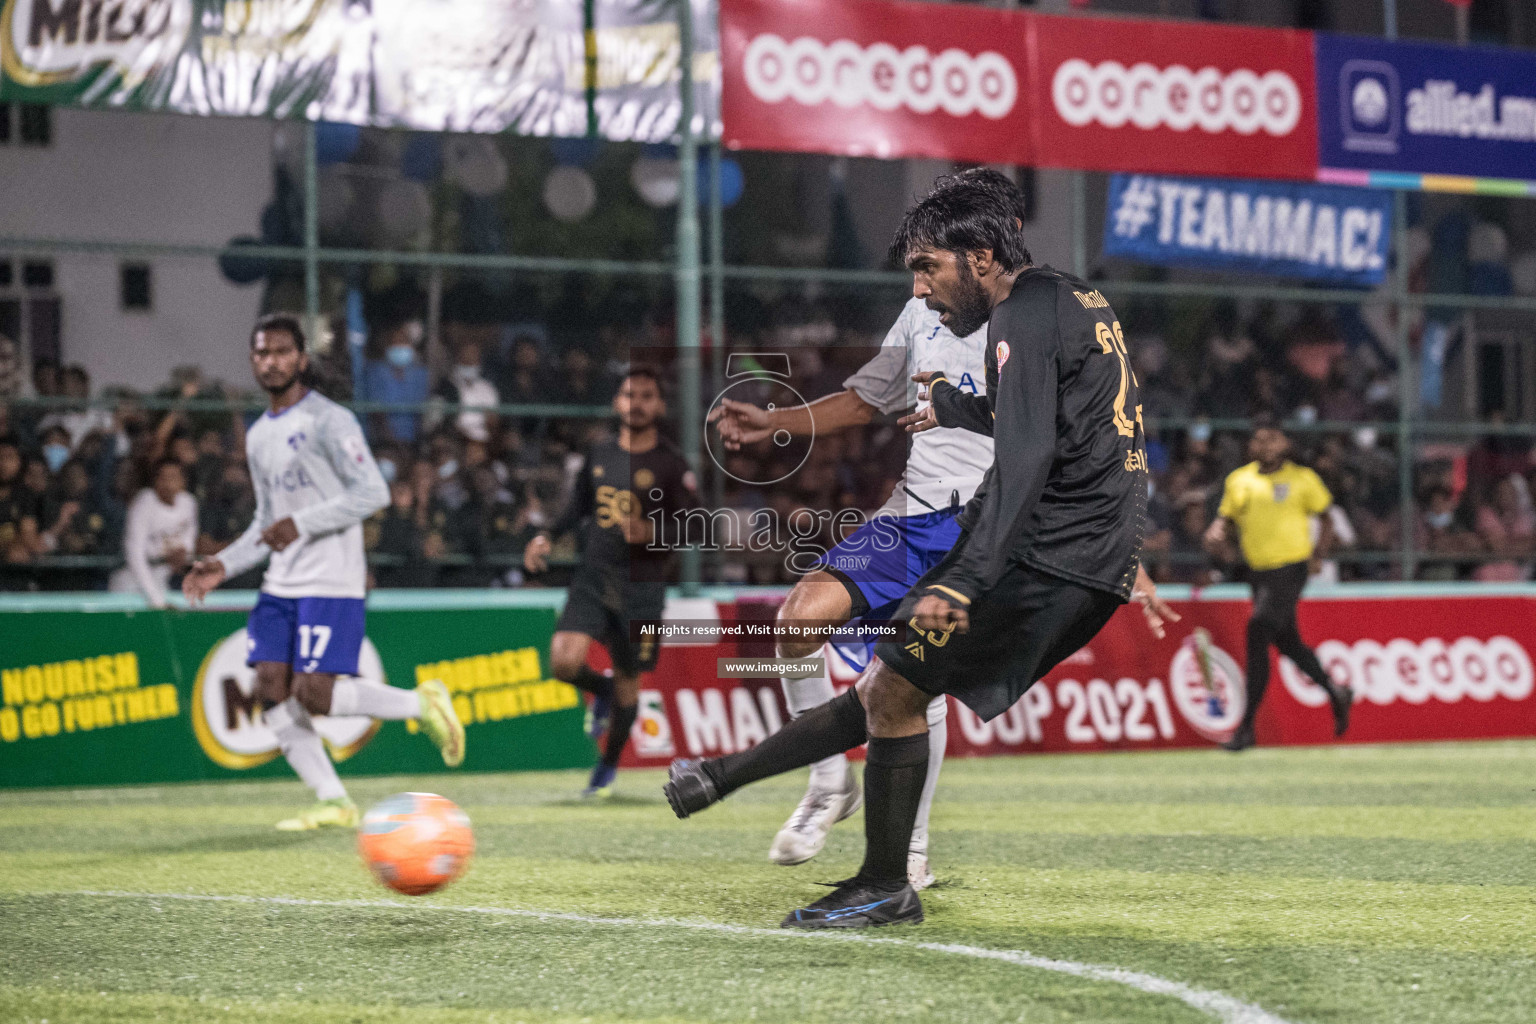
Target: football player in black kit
(622,581)
(1050,544)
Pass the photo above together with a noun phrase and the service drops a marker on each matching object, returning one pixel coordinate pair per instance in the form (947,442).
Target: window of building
(36,124)
(134,287)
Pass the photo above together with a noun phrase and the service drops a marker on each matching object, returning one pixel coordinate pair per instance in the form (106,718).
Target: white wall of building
(144,178)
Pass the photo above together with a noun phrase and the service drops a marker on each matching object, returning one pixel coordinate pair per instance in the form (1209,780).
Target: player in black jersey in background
(1051,543)
(621,582)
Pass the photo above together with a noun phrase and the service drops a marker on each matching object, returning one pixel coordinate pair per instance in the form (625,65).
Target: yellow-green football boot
(339,813)
(440,722)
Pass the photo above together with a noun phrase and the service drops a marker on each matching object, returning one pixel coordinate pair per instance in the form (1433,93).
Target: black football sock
(594,682)
(894,772)
(618,732)
(832,728)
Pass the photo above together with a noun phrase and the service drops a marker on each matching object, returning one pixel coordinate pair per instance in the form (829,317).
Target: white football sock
(938,739)
(304,750)
(812,692)
(374,699)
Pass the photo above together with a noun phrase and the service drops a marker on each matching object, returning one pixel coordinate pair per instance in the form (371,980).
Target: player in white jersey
(315,482)
(868,573)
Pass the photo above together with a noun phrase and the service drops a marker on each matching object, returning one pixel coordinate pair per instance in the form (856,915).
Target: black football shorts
(1019,630)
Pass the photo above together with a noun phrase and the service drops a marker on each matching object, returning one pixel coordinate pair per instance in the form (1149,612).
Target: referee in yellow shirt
(1270,503)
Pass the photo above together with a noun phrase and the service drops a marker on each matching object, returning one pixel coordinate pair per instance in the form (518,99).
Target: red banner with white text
(887,79)
(1442,668)
(1173,97)
(874,78)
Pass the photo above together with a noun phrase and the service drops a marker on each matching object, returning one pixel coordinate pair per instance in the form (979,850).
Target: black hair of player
(1004,186)
(963,215)
(285,322)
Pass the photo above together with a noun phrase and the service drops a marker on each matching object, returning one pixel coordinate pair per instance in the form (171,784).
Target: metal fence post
(687,273)
(311,232)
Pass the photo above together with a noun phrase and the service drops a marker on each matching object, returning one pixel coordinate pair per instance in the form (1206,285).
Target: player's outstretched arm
(363,492)
(741,423)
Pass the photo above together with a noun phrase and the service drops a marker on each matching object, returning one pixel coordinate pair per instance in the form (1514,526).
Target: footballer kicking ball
(416,843)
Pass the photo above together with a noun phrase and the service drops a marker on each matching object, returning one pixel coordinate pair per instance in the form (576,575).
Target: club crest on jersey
(644,478)
(1002,354)
(1281,490)
(294,440)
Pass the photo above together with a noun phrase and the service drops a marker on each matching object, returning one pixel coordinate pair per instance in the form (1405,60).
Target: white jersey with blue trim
(944,467)
(310,462)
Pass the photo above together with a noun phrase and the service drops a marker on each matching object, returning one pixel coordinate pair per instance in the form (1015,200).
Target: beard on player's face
(274,382)
(968,307)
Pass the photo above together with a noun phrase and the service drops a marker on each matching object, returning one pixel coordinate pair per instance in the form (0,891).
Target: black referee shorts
(610,610)
(1020,630)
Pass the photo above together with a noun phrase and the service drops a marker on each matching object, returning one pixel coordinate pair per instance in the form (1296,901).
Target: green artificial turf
(1348,884)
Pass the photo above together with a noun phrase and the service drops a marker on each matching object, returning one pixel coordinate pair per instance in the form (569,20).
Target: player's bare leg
(832,793)
(568,663)
(302,747)
(625,708)
(322,693)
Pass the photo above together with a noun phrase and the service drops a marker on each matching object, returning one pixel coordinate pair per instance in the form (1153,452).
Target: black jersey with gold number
(1067,491)
(614,485)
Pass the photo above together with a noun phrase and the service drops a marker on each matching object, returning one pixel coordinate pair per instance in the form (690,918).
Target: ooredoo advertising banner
(871,78)
(1420,669)
(874,78)
(1423,108)
(1289,229)
(1173,97)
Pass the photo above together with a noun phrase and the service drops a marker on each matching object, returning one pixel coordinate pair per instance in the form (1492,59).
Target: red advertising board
(874,78)
(886,79)
(1421,669)
(1173,97)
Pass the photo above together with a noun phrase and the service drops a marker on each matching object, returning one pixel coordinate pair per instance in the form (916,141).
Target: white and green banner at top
(607,68)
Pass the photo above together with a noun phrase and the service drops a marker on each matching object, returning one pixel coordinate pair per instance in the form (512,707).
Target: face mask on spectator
(448,468)
(55,455)
(1439,520)
(401,355)
(387,470)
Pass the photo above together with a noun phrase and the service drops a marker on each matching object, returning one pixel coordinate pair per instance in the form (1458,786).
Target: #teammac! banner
(1316,232)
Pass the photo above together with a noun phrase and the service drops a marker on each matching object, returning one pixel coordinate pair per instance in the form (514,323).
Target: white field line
(1218,1005)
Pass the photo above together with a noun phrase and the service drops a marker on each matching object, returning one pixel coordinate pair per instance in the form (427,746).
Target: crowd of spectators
(468,488)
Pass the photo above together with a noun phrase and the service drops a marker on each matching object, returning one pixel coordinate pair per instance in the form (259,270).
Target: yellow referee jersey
(1273,512)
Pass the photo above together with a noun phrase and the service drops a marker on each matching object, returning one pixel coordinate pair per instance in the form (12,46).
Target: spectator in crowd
(1507,527)
(18,512)
(1442,532)
(80,419)
(466,384)
(81,525)
(397,536)
(160,535)
(400,376)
